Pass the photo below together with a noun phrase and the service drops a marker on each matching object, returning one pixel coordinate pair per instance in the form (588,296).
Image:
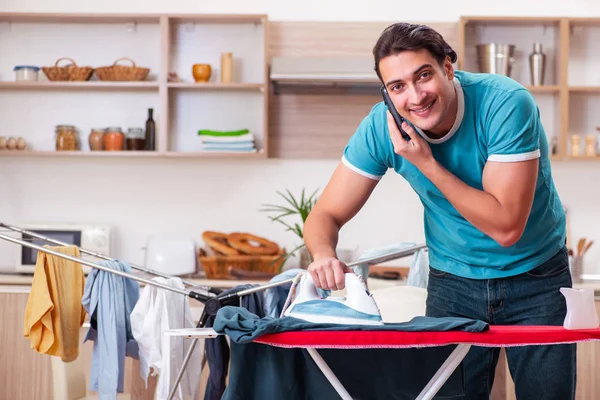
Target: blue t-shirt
(497,120)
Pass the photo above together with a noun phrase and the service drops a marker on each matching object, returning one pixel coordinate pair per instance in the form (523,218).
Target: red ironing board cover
(496,336)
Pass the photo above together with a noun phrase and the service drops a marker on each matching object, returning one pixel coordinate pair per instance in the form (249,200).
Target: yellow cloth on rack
(54,313)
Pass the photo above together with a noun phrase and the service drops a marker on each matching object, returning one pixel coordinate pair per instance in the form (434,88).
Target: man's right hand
(328,273)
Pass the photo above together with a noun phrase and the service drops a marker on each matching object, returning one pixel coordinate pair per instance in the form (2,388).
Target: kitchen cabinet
(588,369)
(28,374)
(570,93)
(166,44)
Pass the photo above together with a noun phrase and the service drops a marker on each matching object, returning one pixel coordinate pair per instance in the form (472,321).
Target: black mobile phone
(397,117)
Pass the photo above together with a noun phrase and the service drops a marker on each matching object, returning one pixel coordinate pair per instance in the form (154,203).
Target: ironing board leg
(442,375)
(186,361)
(337,385)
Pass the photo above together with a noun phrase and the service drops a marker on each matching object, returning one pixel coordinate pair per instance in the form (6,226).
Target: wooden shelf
(77,18)
(82,153)
(584,89)
(585,158)
(213,154)
(216,86)
(133,154)
(218,18)
(164,43)
(100,85)
(544,89)
(124,18)
(489,20)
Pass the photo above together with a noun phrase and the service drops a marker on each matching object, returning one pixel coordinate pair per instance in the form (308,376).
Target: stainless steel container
(495,58)
(537,65)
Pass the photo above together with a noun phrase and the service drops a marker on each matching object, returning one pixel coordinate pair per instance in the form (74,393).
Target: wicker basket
(121,72)
(217,267)
(71,72)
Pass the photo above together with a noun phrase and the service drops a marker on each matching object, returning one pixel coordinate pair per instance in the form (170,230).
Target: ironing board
(496,336)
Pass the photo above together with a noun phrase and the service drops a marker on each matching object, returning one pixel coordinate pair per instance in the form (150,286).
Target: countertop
(10,283)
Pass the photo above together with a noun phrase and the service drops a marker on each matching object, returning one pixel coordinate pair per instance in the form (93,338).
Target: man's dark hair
(403,36)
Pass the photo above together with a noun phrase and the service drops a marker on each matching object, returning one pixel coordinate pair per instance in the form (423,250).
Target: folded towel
(54,314)
(208,132)
(246,138)
(248,149)
(246,145)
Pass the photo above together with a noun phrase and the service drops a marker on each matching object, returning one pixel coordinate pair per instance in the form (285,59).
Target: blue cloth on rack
(109,299)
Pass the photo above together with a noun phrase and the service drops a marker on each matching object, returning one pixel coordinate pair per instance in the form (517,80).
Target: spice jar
(67,138)
(575,145)
(96,139)
(135,139)
(113,139)
(590,145)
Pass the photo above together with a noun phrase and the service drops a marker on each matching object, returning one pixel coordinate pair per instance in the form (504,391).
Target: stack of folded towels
(238,141)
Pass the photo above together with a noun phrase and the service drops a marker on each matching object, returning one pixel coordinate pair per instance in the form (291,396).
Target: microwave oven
(95,238)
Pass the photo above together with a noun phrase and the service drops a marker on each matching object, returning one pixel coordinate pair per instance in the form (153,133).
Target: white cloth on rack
(157,311)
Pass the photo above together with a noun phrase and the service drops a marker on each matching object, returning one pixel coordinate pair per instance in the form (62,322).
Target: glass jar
(135,139)
(113,139)
(96,139)
(67,138)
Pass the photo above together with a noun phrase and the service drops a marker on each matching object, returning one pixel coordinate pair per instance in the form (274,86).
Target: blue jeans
(532,298)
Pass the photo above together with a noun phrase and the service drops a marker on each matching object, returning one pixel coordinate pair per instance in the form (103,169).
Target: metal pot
(495,58)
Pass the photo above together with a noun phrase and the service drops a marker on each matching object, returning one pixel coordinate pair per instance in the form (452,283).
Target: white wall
(330,10)
(154,196)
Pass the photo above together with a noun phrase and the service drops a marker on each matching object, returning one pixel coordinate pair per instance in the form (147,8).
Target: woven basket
(217,267)
(70,72)
(122,72)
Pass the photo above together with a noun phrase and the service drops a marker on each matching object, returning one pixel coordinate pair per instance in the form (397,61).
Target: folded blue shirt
(109,299)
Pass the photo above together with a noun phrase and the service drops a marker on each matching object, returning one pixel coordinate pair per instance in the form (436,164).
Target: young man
(494,223)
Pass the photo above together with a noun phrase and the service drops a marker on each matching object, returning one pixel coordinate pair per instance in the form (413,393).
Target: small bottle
(150,132)
(226,67)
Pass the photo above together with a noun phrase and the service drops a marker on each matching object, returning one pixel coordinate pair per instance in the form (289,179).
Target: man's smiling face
(421,89)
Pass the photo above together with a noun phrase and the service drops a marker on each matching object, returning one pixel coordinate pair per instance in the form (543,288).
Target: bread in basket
(240,251)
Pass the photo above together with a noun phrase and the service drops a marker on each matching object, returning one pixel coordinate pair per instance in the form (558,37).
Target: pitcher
(581,309)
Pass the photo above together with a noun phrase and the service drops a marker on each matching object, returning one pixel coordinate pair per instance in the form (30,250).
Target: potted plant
(297,208)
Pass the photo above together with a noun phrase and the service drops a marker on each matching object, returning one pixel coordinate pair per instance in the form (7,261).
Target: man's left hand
(416,151)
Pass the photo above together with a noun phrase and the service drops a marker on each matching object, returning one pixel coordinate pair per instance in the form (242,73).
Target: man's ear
(449,68)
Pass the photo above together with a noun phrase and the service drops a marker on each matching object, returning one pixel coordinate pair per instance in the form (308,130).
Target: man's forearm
(320,235)
(481,209)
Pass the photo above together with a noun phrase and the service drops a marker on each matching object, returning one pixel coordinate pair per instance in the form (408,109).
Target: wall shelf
(571,78)
(87,85)
(217,86)
(164,43)
(584,89)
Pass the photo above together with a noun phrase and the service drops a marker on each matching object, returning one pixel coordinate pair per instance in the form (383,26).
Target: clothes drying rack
(213,299)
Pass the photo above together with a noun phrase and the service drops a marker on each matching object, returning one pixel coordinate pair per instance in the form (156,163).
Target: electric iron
(358,307)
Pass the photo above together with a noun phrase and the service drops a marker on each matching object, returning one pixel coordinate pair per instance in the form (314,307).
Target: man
(494,223)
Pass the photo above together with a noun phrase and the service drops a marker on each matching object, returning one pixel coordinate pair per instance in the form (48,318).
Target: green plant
(294,207)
